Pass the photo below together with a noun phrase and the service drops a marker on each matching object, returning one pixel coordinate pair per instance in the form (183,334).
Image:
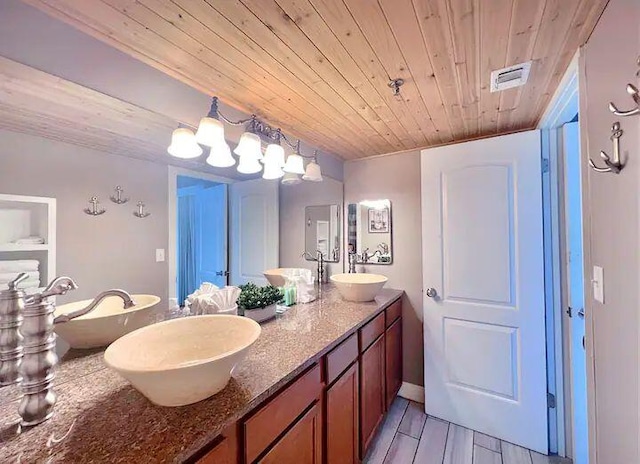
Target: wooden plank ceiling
(320,68)
(38,103)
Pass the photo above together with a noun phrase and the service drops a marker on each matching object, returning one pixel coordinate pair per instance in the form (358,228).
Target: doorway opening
(567,379)
(575,296)
(201,234)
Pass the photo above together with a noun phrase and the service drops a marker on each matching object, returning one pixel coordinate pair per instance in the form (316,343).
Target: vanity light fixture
(313,172)
(186,144)
(220,156)
(295,162)
(274,160)
(210,130)
(249,165)
(210,134)
(183,144)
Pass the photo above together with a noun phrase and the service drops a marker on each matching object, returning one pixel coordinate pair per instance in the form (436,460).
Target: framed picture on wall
(379,221)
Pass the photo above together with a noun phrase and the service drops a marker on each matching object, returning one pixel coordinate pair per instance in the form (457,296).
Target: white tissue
(209,299)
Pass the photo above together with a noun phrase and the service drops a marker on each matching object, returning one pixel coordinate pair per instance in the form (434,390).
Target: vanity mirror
(369,231)
(322,232)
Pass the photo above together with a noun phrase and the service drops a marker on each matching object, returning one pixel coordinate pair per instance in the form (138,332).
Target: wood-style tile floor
(409,436)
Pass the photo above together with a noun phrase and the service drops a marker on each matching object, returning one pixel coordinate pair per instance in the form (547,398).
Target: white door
(484,331)
(212,259)
(255,226)
(573,216)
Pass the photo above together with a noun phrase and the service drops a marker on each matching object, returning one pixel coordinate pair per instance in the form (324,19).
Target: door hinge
(551,400)
(545,165)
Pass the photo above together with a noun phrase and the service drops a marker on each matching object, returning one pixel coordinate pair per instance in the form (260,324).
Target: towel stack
(9,270)
(31,240)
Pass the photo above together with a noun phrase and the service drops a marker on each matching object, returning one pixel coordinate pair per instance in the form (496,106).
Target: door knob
(431,292)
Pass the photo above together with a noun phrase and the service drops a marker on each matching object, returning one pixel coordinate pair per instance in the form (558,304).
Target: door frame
(562,108)
(174,172)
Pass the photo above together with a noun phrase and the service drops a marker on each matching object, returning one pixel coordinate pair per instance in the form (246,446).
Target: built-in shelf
(20,247)
(25,216)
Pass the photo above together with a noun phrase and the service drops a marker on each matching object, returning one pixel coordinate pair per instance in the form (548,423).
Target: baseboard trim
(412,392)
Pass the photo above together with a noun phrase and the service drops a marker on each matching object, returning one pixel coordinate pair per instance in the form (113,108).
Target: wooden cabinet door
(301,444)
(393,355)
(342,418)
(372,394)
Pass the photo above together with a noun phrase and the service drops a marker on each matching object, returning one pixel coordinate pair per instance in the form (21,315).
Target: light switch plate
(159,255)
(598,284)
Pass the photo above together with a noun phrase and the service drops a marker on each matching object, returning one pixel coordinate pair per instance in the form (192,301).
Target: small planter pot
(261,314)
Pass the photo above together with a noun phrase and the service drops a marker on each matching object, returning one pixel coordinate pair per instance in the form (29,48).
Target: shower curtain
(187,283)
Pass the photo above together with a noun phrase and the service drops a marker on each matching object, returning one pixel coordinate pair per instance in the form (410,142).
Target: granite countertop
(100,418)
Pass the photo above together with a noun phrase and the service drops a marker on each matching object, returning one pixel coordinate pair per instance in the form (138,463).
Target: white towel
(6,277)
(21,265)
(33,240)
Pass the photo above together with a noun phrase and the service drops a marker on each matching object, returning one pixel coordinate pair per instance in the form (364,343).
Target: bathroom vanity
(314,388)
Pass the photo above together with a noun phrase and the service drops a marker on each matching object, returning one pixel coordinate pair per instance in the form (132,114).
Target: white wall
(612,233)
(397,178)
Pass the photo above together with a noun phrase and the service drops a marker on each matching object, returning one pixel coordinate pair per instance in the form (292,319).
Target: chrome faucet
(126,298)
(320,260)
(366,256)
(37,341)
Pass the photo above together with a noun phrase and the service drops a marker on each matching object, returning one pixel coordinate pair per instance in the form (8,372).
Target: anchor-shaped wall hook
(614,165)
(117,199)
(141,212)
(94,211)
(635,94)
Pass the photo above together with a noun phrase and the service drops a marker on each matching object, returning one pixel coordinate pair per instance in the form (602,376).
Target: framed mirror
(322,232)
(369,231)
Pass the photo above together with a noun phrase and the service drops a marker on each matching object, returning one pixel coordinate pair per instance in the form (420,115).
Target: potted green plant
(258,303)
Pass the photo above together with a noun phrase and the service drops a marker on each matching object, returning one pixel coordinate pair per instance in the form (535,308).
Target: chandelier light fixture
(186,144)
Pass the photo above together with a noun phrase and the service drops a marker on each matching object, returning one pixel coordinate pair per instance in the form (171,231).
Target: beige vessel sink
(183,361)
(107,322)
(359,287)
(275,276)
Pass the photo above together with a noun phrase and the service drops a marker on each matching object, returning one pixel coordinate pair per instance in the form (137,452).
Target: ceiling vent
(513,76)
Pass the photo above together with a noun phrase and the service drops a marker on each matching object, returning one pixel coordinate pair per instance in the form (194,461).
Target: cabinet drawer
(261,429)
(371,331)
(341,357)
(393,312)
(225,448)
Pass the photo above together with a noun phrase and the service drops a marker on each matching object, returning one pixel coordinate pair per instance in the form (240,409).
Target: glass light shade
(290,179)
(294,164)
(272,170)
(313,173)
(249,146)
(220,156)
(210,132)
(183,144)
(249,165)
(274,154)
